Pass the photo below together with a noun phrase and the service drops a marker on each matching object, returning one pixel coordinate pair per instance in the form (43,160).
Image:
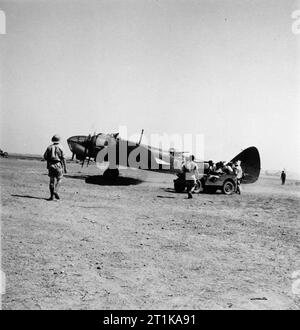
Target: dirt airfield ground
(136,244)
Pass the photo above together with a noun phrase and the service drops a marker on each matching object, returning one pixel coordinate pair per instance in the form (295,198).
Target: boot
(56,188)
(51,198)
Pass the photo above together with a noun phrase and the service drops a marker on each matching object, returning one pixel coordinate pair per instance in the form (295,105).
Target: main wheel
(179,185)
(111,173)
(228,187)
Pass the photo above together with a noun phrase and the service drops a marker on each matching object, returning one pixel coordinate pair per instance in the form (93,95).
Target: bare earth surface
(136,244)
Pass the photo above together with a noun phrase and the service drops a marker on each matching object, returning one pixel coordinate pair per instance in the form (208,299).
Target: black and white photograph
(150,156)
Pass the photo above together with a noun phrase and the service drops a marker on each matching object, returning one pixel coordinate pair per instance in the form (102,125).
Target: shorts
(55,171)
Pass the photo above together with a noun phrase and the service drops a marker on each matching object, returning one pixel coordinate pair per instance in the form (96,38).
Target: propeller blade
(86,149)
(84,155)
(141,136)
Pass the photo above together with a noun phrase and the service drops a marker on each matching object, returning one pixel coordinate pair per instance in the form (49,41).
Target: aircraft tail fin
(250,163)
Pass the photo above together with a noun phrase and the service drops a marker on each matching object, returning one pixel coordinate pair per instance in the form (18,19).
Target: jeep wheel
(228,187)
(198,187)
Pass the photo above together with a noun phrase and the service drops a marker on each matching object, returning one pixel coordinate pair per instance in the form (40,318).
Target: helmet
(55,138)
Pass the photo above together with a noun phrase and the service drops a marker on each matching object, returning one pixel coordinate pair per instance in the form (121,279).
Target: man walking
(190,168)
(283,177)
(56,165)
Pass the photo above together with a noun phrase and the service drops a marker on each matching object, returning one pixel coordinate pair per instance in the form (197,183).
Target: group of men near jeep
(213,172)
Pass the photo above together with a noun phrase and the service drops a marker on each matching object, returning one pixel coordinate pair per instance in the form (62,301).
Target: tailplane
(250,163)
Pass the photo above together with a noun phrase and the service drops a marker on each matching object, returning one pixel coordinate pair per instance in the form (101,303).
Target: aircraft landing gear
(111,173)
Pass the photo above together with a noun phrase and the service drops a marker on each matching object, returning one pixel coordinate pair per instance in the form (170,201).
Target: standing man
(56,165)
(239,174)
(283,177)
(190,168)
(211,167)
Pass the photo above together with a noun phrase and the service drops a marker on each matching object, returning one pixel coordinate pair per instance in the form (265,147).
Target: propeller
(90,145)
(88,148)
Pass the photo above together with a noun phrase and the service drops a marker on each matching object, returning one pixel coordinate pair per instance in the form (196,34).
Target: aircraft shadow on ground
(171,190)
(102,181)
(79,177)
(28,196)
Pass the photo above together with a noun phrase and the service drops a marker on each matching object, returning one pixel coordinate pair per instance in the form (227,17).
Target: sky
(227,69)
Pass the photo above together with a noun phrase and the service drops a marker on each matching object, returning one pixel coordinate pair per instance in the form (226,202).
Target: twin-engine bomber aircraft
(119,152)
